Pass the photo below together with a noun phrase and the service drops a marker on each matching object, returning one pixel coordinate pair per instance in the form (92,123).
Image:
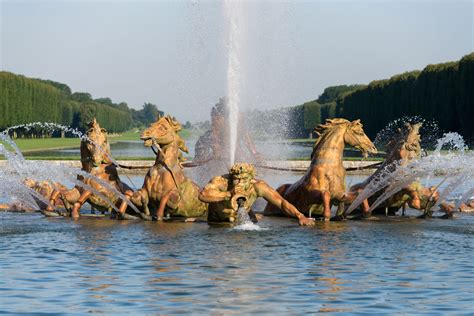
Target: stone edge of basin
(295,166)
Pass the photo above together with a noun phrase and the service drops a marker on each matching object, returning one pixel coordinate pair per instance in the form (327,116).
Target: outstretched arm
(215,191)
(272,196)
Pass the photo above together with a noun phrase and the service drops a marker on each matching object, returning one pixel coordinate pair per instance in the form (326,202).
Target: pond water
(272,150)
(385,266)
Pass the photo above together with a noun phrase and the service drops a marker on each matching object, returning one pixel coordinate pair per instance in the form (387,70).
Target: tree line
(26,100)
(441,92)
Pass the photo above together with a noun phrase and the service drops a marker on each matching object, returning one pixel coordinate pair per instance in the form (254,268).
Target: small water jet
(454,164)
(243,221)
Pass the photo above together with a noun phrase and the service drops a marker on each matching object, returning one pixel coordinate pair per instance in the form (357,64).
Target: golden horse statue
(402,149)
(95,159)
(166,189)
(324,184)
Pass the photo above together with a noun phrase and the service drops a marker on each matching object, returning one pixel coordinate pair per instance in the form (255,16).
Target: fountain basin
(105,266)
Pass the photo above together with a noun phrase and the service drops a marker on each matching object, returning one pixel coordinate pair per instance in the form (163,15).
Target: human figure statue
(214,144)
(239,188)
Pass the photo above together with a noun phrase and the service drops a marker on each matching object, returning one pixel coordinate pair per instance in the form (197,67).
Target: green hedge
(26,100)
(443,92)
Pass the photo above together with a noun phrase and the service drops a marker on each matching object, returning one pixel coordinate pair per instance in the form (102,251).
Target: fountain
(23,181)
(234,14)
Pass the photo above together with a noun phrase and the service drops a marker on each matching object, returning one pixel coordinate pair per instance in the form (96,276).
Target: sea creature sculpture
(239,188)
(95,159)
(323,184)
(166,190)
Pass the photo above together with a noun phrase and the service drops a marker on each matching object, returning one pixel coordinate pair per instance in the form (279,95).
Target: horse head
(95,148)
(164,132)
(353,132)
(405,146)
(355,137)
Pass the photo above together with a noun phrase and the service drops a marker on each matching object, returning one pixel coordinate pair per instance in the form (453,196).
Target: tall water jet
(233,13)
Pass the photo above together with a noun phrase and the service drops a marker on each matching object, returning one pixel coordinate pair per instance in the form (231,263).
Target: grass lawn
(26,145)
(39,144)
(129,135)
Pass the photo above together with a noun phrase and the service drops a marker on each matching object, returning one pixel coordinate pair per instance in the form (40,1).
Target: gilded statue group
(168,193)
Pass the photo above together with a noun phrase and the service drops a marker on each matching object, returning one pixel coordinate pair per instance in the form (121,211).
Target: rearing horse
(95,159)
(323,184)
(166,188)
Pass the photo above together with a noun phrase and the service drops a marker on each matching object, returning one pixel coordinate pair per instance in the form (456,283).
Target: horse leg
(140,200)
(326,197)
(77,205)
(171,199)
(160,212)
(349,197)
(52,200)
(123,205)
(340,213)
(69,198)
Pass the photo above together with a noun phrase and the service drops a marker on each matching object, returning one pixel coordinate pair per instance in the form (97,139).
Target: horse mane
(323,129)
(177,127)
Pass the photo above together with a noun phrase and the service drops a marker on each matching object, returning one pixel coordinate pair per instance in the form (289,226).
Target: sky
(175,54)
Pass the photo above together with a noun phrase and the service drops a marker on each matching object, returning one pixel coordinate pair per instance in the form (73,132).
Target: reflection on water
(104,266)
(389,265)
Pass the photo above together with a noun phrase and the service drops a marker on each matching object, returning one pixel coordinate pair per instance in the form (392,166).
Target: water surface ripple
(56,266)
